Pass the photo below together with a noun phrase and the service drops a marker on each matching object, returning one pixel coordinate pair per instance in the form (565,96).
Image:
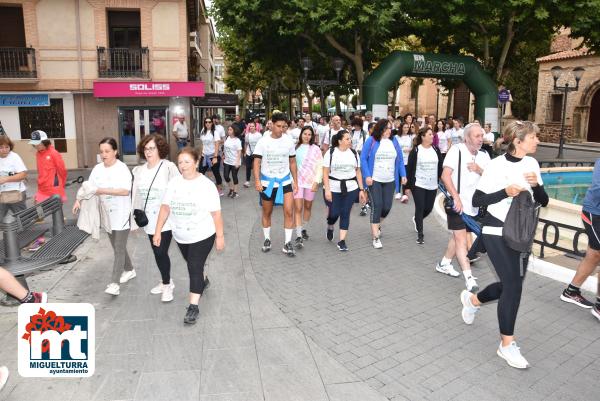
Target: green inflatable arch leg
(429,65)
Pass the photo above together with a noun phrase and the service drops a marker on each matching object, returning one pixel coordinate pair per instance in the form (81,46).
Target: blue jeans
(181,143)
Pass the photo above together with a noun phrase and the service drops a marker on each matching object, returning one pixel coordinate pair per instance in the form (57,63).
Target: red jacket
(52,174)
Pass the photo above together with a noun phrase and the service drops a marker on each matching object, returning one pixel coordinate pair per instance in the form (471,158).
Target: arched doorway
(594,124)
(401,63)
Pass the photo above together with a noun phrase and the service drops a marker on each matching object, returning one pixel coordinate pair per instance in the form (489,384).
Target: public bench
(20,229)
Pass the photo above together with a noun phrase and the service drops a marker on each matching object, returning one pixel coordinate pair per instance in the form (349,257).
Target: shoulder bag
(140,215)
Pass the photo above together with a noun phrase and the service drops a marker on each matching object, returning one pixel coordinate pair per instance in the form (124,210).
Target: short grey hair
(470,127)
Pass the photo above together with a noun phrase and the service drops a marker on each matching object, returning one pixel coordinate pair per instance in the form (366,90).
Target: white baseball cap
(37,137)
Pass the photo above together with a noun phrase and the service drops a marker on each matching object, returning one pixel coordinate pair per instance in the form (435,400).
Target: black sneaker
(288,249)
(575,298)
(304,235)
(230,194)
(363,211)
(235,195)
(267,245)
(299,243)
(420,239)
(330,234)
(342,246)
(191,316)
(206,284)
(596,311)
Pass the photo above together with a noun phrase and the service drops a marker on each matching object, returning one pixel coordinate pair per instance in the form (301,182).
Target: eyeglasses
(149,148)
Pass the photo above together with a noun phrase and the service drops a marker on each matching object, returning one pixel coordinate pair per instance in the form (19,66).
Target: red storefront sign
(148,89)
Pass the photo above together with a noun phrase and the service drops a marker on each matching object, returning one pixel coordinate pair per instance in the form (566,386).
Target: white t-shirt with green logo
(275,157)
(343,167)
(191,203)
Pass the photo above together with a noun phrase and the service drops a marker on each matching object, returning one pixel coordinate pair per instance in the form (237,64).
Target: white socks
(467,273)
(445,261)
(288,234)
(267,232)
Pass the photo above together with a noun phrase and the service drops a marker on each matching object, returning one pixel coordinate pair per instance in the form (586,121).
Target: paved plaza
(363,325)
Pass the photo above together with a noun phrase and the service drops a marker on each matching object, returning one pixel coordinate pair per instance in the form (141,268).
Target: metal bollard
(58,222)
(12,253)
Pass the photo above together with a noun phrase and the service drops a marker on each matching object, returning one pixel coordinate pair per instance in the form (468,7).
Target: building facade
(118,68)
(582,116)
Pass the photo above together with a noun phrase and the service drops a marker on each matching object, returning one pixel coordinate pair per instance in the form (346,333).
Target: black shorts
(287,188)
(455,222)
(591,223)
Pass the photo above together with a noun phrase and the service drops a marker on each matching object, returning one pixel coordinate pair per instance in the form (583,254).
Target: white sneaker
(512,356)
(127,275)
(398,196)
(167,294)
(447,269)
(112,289)
(160,287)
(471,284)
(3,376)
(247,184)
(469,310)
(377,243)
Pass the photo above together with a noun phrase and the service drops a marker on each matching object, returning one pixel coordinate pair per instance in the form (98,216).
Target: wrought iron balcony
(123,63)
(17,62)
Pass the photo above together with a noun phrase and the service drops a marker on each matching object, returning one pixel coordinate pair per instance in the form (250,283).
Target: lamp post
(337,64)
(557,71)
(438,87)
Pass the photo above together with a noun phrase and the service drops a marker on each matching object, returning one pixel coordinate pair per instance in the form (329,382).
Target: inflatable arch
(429,65)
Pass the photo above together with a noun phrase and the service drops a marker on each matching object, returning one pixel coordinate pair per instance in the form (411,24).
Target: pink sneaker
(404,199)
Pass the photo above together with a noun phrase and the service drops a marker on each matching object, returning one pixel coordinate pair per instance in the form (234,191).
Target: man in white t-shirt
(322,130)
(308,122)
(275,179)
(368,120)
(220,131)
(336,126)
(468,161)
(181,132)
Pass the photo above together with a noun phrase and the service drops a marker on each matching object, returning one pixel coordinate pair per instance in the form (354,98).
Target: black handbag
(140,215)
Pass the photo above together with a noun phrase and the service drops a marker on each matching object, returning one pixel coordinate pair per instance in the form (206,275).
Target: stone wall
(550,132)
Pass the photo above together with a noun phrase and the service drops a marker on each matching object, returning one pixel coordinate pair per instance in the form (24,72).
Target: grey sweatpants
(118,240)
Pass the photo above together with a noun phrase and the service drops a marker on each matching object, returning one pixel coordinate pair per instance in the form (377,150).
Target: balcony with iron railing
(17,63)
(123,63)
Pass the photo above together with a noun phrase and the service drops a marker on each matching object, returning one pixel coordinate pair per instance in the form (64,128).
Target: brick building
(85,69)
(582,117)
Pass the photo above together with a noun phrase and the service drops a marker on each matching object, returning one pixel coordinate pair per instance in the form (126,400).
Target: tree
(586,23)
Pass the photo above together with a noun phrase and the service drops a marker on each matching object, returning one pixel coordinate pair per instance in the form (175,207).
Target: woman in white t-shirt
(504,178)
(149,186)
(405,139)
(442,137)
(488,139)
(13,174)
(423,170)
(232,149)
(252,138)
(192,205)
(342,181)
(211,158)
(382,166)
(112,179)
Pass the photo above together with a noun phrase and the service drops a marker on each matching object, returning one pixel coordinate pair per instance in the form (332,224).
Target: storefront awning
(216,100)
(148,89)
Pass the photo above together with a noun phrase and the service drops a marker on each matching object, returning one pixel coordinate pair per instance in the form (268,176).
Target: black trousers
(195,256)
(424,200)
(381,198)
(230,170)
(507,263)
(216,170)
(248,162)
(161,255)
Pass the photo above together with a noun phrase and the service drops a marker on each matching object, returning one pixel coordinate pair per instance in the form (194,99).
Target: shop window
(50,119)
(556,108)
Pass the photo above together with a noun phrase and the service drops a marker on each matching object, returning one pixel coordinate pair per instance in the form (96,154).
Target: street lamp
(557,72)
(337,64)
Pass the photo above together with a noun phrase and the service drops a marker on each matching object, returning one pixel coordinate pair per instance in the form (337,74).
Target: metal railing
(123,63)
(17,62)
(566,163)
(544,242)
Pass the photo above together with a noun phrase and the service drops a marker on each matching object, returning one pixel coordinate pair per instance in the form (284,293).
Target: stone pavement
(365,325)
(242,349)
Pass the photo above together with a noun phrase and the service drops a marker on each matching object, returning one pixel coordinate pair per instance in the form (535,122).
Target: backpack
(521,223)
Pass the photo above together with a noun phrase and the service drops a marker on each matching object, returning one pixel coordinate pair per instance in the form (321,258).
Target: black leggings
(508,291)
(248,161)
(215,168)
(161,255)
(424,200)
(195,255)
(381,198)
(341,206)
(227,168)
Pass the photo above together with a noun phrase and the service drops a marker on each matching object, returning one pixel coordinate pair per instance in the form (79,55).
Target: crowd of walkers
(367,161)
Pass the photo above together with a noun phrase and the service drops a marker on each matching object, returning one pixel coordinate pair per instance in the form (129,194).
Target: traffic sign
(503,95)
